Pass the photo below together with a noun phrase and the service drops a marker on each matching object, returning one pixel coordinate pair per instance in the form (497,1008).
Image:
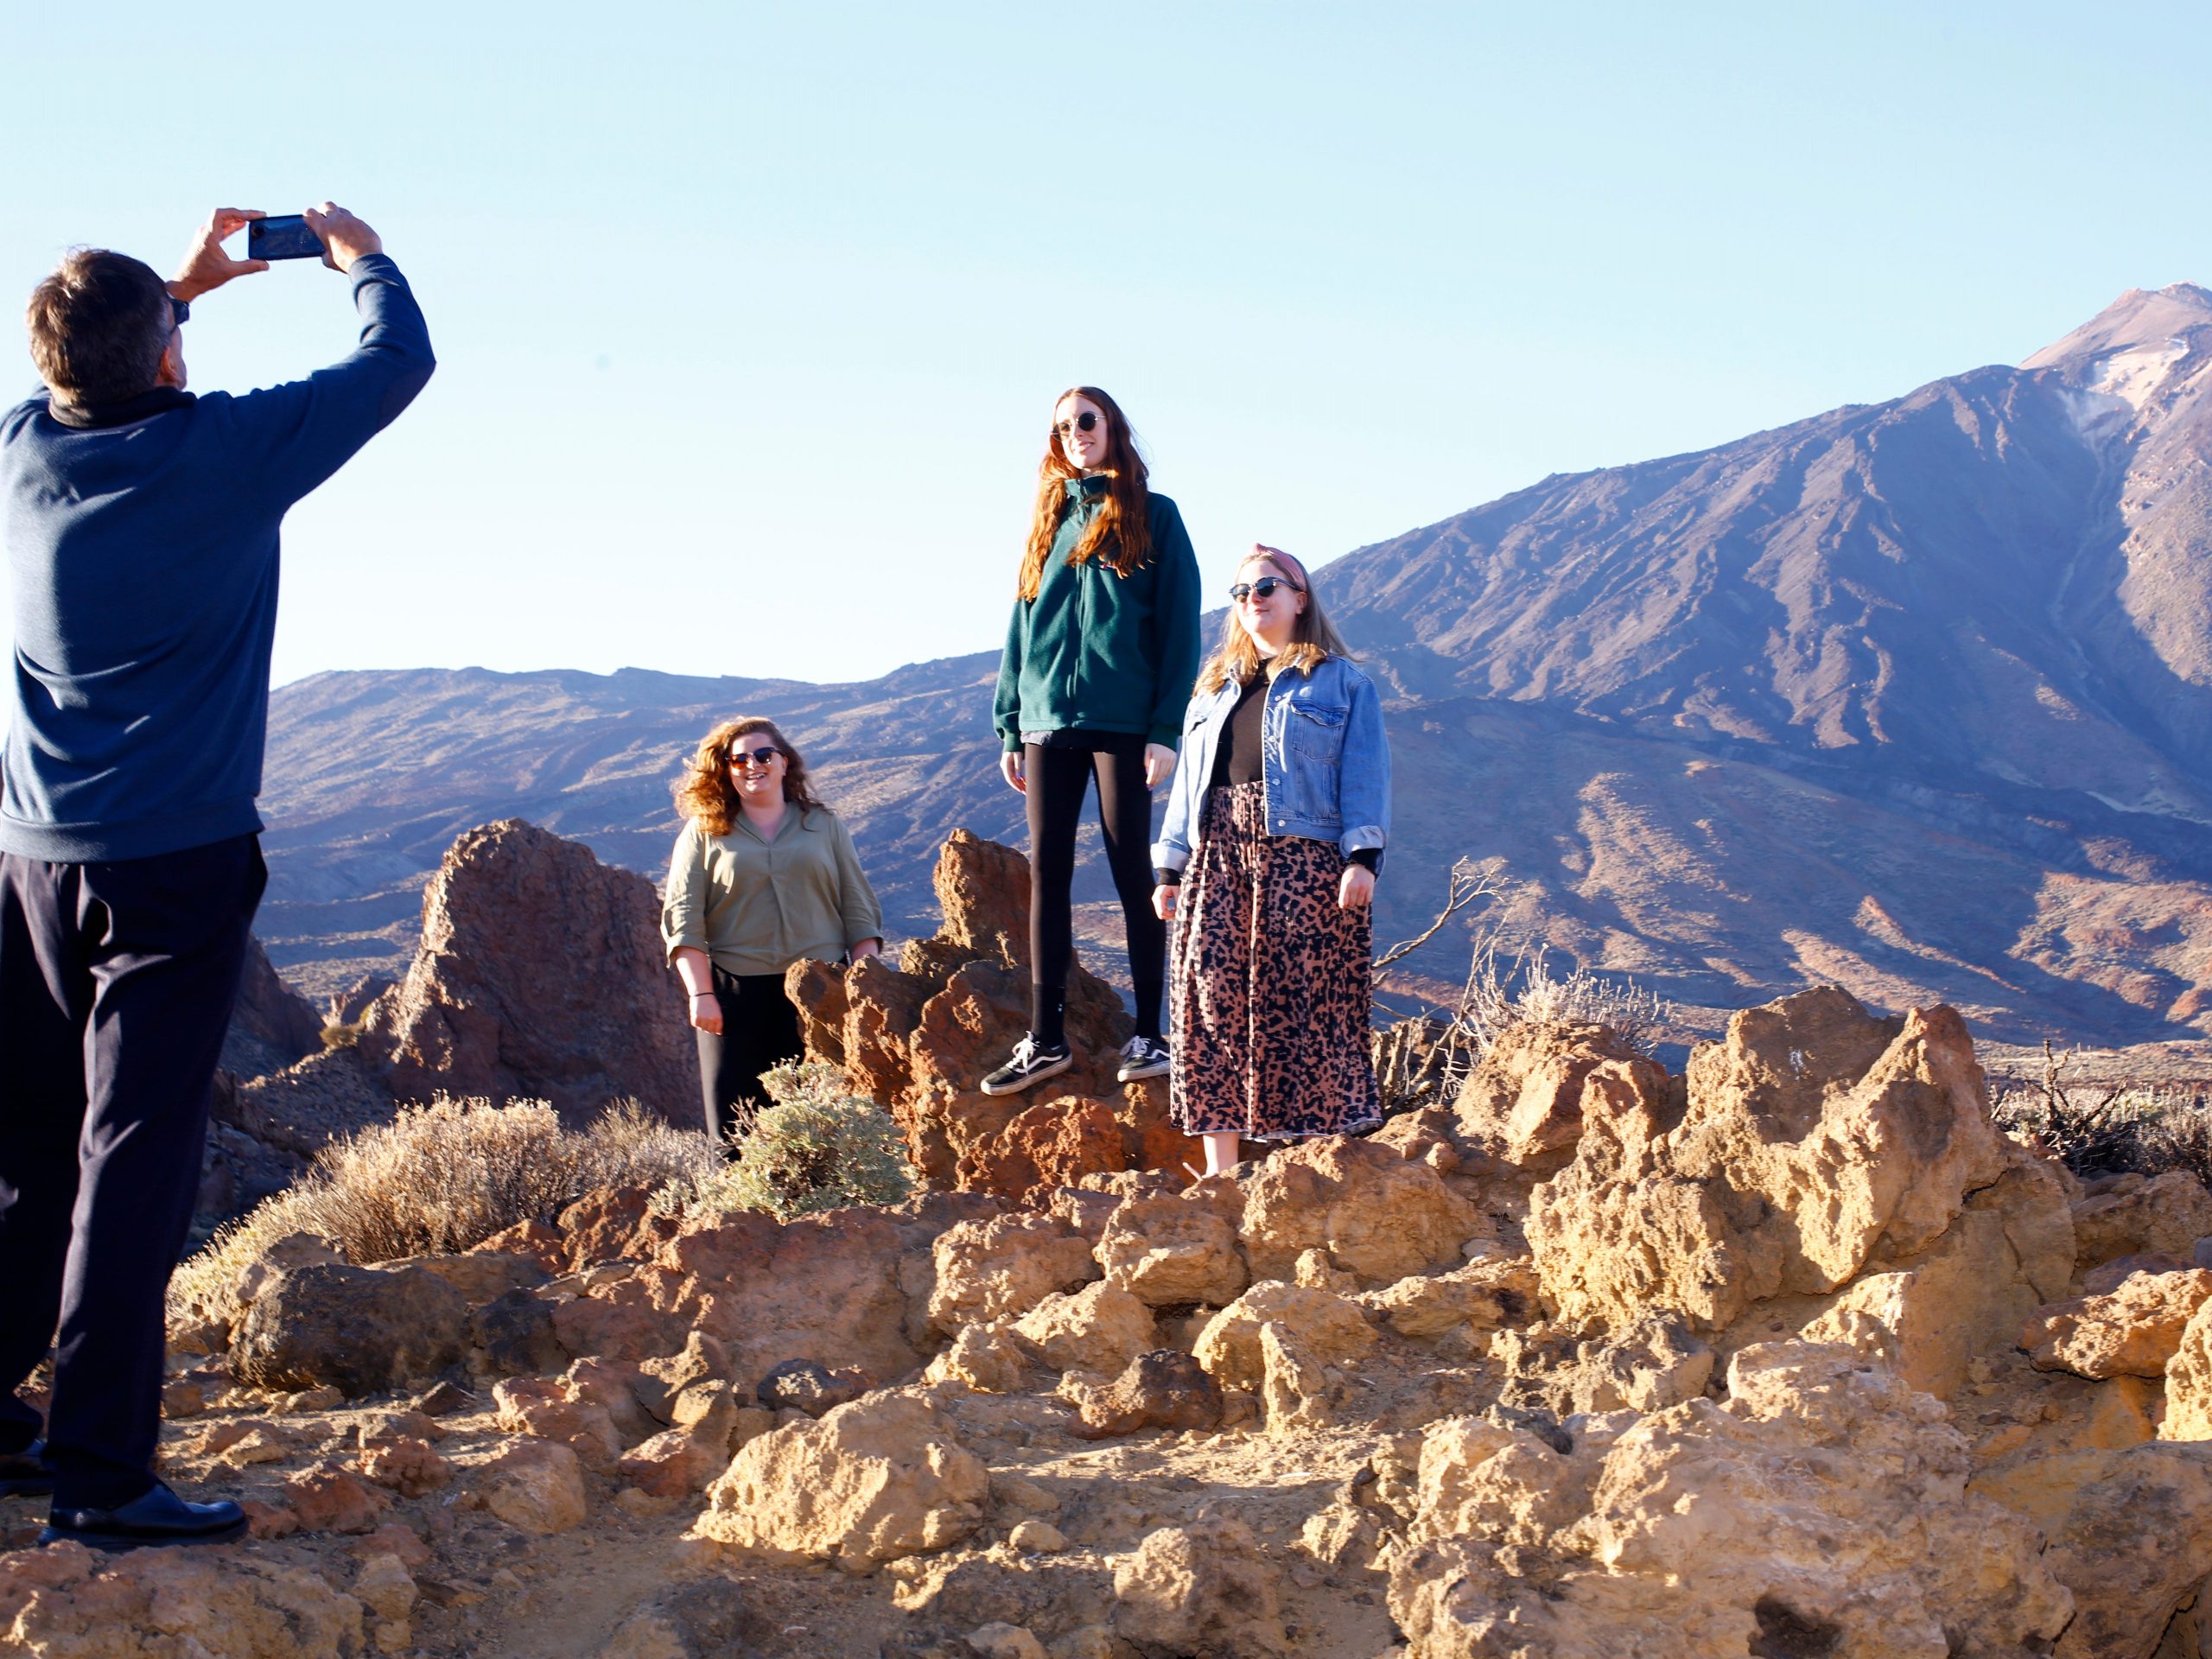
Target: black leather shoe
(160,1517)
(24,1473)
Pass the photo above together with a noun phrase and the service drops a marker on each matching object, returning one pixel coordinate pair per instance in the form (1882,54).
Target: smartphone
(285,236)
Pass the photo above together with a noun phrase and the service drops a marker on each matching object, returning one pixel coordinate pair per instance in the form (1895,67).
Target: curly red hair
(704,792)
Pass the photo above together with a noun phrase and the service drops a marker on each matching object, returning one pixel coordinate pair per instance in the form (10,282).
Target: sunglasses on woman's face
(1240,591)
(1086,422)
(763,758)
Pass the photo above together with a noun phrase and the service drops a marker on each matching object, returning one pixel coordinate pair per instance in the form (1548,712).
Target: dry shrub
(2144,1126)
(1422,1061)
(819,1147)
(1527,991)
(440,1179)
(2175,1132)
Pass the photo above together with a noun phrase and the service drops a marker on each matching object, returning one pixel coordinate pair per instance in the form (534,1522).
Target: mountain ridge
(1973,623)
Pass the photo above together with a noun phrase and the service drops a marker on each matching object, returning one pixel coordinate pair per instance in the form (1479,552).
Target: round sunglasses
(1240,591)
(1086,422)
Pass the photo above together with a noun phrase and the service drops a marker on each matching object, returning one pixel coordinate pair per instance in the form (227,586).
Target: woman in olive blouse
(764,875)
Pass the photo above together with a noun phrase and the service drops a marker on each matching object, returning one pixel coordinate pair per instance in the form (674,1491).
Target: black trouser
(116,986)
(760,1032)
(1056,778)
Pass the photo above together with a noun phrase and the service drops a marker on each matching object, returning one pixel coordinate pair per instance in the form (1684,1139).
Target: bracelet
(695,996)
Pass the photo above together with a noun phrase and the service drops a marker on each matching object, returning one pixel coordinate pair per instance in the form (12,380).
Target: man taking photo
(141,532)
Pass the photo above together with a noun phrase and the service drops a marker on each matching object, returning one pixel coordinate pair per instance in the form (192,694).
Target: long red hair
(1123,522)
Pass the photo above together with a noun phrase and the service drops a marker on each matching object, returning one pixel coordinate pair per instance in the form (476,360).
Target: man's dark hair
(99,325)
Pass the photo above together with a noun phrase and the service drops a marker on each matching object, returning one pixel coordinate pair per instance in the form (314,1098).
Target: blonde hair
(1313,639)
(704,792)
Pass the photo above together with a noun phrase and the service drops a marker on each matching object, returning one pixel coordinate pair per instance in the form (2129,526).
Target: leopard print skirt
(1268,983)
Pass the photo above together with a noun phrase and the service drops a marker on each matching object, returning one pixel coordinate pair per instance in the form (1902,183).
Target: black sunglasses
(1086,422)
(1239,591)
(762,756)
(180,311)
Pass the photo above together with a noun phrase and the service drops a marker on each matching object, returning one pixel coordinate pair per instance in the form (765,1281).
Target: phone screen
(286,236)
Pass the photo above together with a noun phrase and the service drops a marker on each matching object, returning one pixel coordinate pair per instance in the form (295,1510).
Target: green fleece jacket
(1101,651)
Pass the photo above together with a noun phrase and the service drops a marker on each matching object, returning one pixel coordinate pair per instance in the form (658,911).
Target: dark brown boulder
(512,1336)
(1165,1389)
(358,1329)
(812,1387)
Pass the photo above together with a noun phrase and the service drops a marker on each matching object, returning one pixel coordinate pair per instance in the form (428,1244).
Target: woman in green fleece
(764,875)
(1099,659)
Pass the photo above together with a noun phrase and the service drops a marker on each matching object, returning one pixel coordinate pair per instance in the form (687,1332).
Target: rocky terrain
(536,975)
(917,1038)
(1790,1353)
(1915,697)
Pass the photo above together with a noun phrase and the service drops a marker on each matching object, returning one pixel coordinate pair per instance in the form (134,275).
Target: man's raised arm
(302,432)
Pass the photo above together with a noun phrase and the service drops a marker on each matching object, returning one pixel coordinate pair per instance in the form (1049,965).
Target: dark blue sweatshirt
(142,556)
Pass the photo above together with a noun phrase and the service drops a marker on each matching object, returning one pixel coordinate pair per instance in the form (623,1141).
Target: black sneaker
(1031,1063)
(158,1517)
(1142,1056)
(25,1473)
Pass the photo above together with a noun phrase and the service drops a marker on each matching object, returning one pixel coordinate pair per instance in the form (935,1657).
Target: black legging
(1056,778)
(759,1031)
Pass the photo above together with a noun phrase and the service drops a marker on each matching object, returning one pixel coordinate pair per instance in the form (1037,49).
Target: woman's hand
(696,969)
(1163,900)
(1010,766)
(1357,890)
(1159,765)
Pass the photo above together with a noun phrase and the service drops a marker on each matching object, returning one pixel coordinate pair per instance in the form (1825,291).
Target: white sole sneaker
(999,1084)
(1137,1071)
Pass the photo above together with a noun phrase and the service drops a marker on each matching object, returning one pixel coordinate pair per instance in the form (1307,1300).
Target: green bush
(818,1146)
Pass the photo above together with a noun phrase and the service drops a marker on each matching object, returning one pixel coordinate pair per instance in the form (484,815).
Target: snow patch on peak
(2136,374)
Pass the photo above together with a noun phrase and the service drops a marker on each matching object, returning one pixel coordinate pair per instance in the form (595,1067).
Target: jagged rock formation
(918,1038)
(1792,1355)
(540,976)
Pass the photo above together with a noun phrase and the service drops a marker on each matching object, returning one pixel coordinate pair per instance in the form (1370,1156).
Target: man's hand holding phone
(327,232)
(205,265)
(344,238)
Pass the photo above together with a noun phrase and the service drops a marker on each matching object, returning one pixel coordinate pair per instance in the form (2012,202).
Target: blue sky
(750,317)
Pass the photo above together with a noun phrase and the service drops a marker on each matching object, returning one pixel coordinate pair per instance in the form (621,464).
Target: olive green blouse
(756,905)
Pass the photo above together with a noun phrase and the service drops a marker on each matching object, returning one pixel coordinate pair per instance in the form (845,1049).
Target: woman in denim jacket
(1275,828)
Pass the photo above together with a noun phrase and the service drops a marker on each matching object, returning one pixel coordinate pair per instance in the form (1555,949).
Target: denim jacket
(1325,762)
